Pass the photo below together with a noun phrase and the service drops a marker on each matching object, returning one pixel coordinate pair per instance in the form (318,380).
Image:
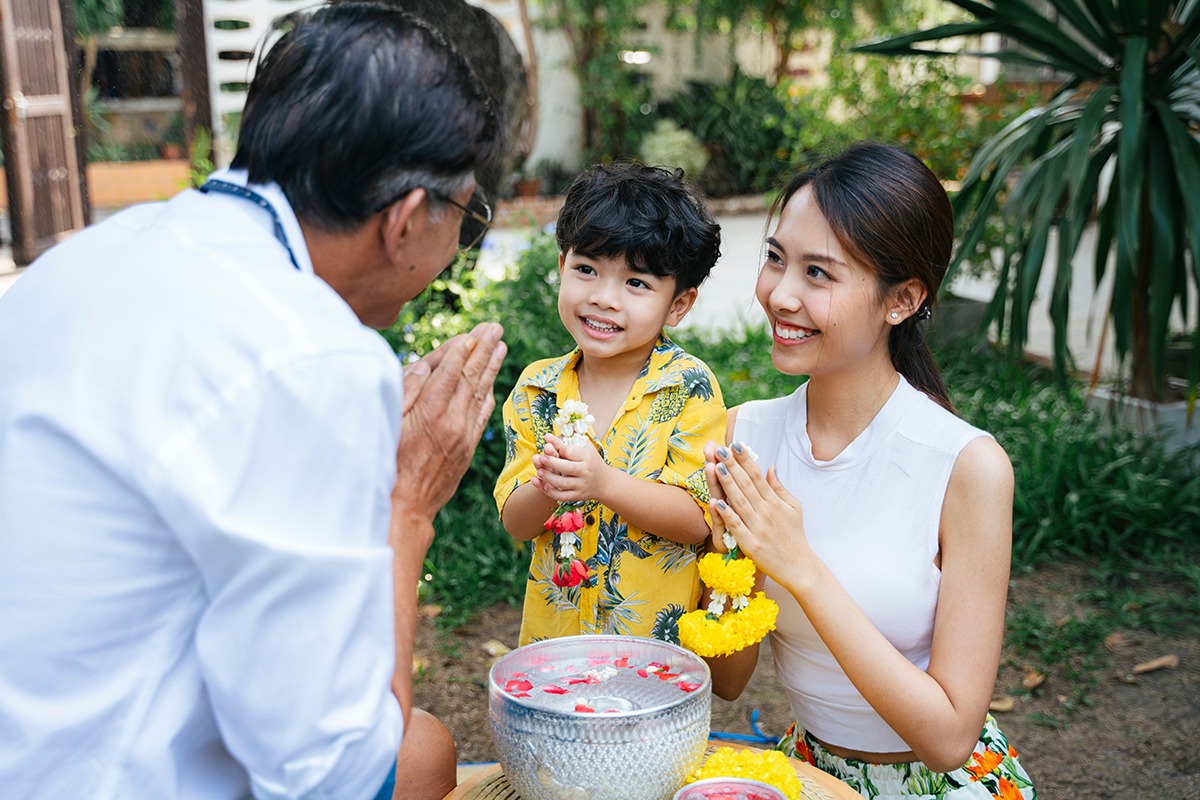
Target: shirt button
(590,520)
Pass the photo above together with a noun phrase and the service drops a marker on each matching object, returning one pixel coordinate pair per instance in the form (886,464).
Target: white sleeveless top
(872,515)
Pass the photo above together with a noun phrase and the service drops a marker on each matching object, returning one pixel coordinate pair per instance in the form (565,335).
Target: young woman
(883,521)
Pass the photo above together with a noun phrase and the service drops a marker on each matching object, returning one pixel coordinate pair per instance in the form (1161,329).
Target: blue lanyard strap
(225,187)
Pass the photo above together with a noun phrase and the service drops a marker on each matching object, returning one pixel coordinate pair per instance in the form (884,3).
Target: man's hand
(447,402)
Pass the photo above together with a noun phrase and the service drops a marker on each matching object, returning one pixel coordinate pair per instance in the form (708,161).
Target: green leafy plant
(741,121)
(1080,491)
(200,163)
(673,147)
(1127,99)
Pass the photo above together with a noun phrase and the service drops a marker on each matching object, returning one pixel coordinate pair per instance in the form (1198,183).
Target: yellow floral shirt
(638,584)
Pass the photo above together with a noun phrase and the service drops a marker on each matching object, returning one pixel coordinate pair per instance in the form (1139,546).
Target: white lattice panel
(234,31)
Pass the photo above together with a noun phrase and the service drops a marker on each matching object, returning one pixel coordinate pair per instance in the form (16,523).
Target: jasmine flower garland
(565,522)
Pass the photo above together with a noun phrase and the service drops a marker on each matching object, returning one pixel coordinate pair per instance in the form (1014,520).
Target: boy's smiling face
(614,312)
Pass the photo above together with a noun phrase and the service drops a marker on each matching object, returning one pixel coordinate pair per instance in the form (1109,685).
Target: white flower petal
(717,604)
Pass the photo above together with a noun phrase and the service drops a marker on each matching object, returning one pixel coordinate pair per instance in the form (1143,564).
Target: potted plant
(1126,106)
(526,183)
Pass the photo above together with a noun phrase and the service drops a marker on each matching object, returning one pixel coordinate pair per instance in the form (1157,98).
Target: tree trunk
(531,77)
(85,72)
(781,32)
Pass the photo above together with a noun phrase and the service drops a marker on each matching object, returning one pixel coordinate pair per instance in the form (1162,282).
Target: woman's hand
(570,473)
(766,520)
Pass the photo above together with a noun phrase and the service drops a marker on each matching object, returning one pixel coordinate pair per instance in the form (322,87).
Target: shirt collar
(664,368)
(273,194)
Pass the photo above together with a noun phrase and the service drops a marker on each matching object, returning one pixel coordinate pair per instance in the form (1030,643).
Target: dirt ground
(1137,737)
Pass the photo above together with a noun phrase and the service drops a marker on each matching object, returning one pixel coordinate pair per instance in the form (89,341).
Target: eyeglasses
(480,215)
(478,211)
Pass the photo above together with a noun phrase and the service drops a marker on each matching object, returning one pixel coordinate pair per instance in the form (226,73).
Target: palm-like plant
(1129,100)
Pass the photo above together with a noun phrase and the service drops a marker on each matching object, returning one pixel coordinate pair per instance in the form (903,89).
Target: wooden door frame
(29,239)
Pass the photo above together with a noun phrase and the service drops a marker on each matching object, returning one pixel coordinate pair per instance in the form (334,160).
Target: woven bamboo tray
(492,784)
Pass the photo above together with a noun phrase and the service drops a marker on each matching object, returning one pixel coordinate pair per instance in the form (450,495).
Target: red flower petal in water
(584,707)
(590,679)
(622,662)
(522,694)
(666,676)
(552,689)
(515,685)
(643,673)
(688,687)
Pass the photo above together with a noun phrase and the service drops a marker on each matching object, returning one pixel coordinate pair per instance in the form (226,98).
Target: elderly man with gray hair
(217,484)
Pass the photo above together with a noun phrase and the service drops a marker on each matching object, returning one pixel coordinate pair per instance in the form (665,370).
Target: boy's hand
(570,473)
(715,492)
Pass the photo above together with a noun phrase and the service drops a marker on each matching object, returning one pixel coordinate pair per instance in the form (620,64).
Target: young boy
(634,242)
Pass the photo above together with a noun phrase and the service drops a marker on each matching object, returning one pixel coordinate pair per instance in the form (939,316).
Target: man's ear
(396,225)
(906,300)
(562,257)
(681,305)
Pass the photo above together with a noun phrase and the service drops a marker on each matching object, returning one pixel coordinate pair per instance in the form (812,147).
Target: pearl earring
(895,315)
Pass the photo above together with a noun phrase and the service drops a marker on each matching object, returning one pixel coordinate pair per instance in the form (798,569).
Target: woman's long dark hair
(892,215)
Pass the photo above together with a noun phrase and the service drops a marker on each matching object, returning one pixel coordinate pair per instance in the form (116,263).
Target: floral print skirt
(993,771)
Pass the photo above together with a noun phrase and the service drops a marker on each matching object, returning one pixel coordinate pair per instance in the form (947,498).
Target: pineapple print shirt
(638,584)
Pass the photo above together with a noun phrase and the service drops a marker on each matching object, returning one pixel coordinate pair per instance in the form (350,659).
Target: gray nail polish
(737,448)
(721,505)
(722,452)
(721,469)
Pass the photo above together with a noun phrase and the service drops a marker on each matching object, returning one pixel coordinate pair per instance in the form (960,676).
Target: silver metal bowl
(599,717)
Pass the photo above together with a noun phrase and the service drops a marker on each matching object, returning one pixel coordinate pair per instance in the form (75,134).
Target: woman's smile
(790,335)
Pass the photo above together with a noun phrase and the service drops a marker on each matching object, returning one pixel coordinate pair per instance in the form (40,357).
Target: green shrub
(672,147)
(1081,490)
(741,122)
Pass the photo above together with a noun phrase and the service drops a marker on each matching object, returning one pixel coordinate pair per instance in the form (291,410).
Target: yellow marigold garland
(708,635)
(733,619)
(729,576)
(768,766)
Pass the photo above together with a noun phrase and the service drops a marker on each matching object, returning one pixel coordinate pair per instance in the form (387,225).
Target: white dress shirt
(197,449)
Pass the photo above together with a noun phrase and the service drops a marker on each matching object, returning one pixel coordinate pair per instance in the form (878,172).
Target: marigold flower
(768,766)
(707,636)
(729,576)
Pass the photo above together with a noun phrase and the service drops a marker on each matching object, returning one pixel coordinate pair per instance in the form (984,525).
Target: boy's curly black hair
(651,216)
